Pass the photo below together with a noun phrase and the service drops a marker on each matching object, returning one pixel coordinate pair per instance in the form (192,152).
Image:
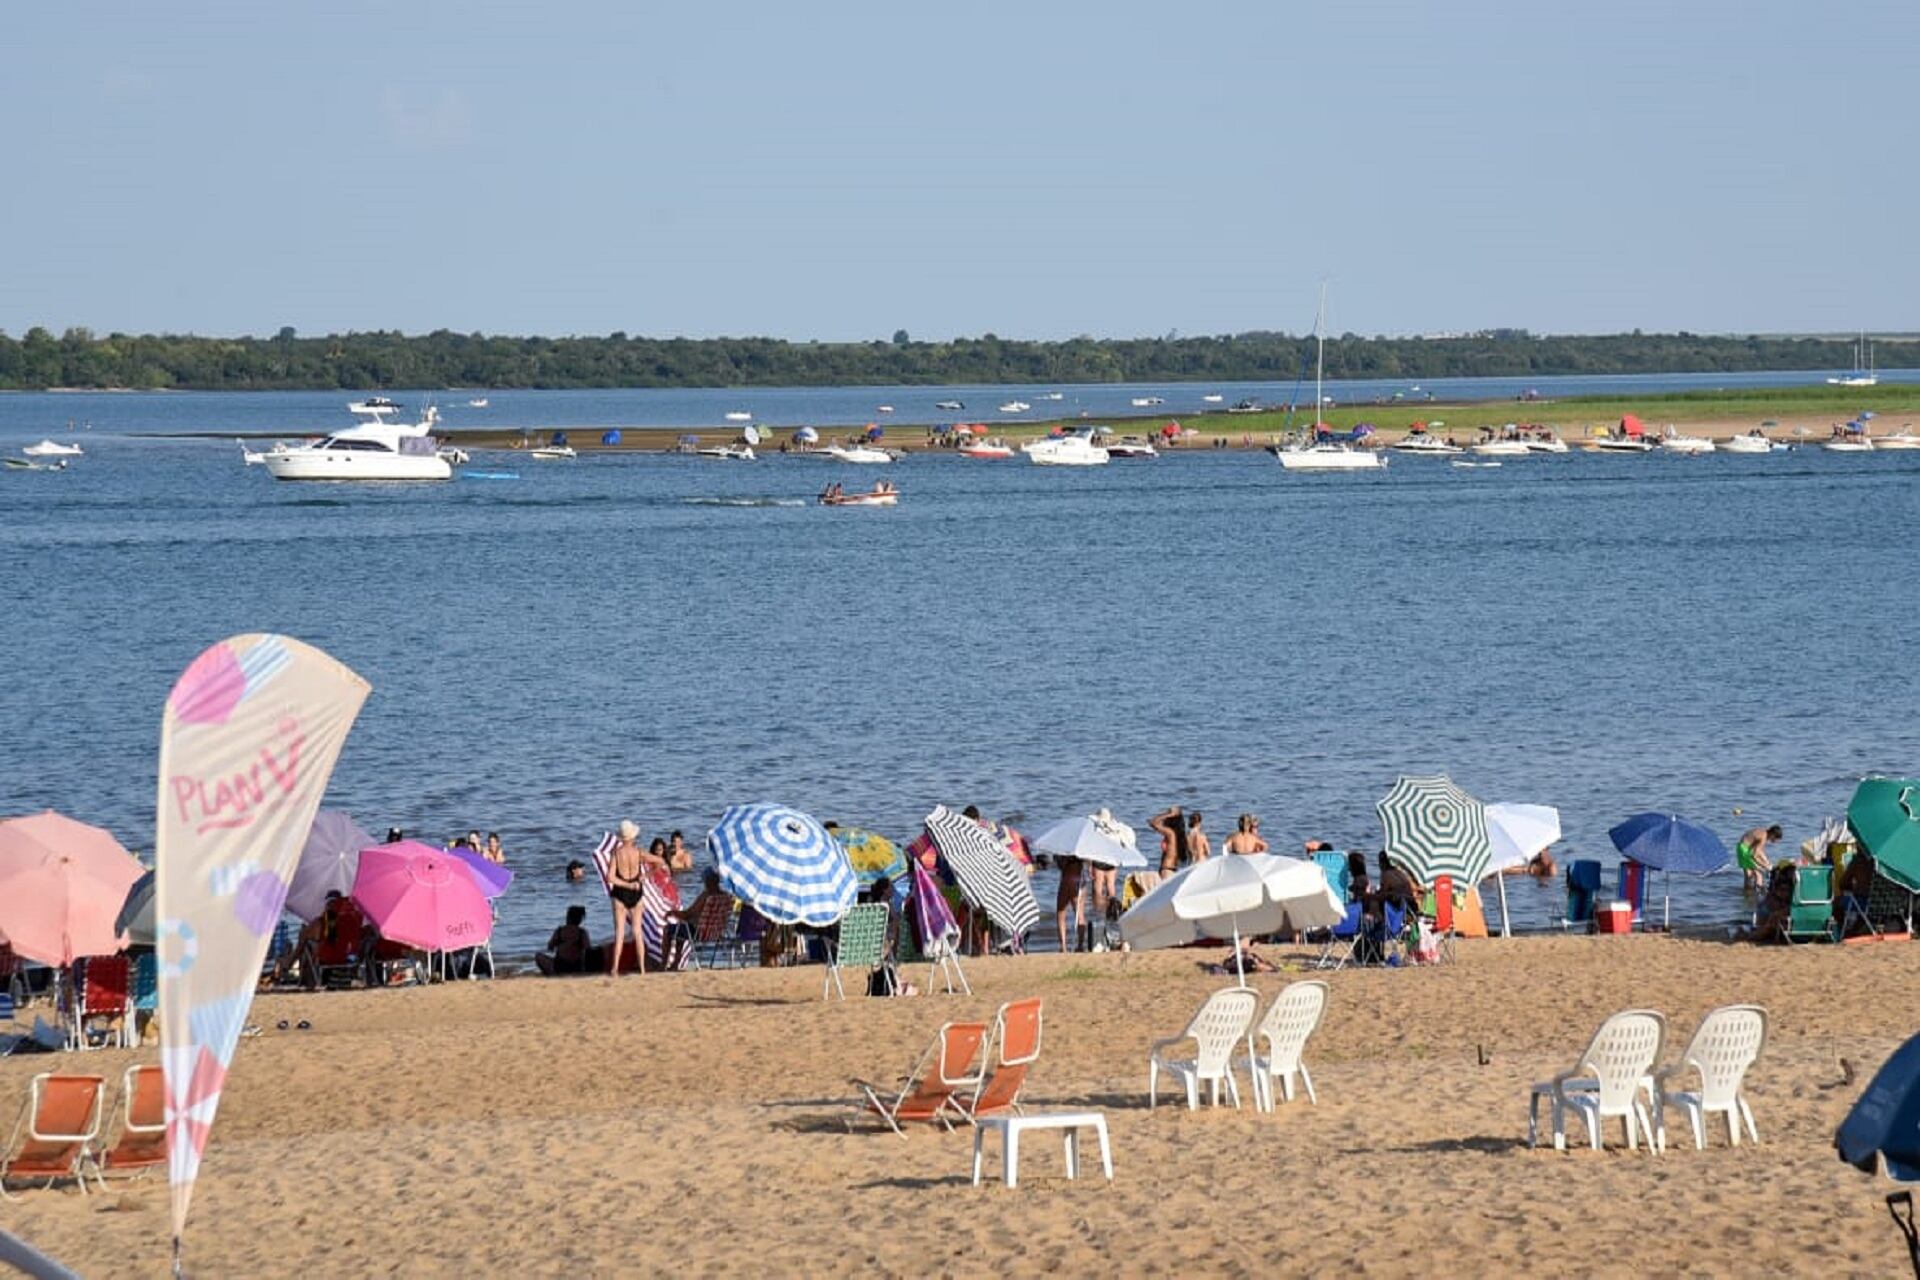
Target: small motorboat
(1619,444)
(1015,406)
(883,408)
(375,405)
(1423,445)
(1676,443)
(949,404)
(1848,444)
(1131,447)
(53,449)
(454,454)
(861,453)
(881,495)
(1901,439)
(1211,399)
(1751,442)
(1502,449)
(728,452)
(1053,395)
(251,457)
(28,464)
(545,453)
(1076,450)
(739,416)
(987,449)
(479,403)
(1146,402)
(1244,406)
(1546,444)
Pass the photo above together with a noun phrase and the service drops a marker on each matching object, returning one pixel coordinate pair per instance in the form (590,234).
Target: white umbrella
(1517,832)
(1083,838)
(1213,899)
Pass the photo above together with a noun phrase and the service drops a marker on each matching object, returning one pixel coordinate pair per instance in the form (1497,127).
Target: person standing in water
(1171,826)
(1751,854)
(1246,837)
(625,883)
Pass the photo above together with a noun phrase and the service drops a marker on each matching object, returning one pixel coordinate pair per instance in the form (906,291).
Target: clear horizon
(1042,173)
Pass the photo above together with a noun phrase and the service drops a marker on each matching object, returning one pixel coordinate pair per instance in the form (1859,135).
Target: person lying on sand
(1251,960)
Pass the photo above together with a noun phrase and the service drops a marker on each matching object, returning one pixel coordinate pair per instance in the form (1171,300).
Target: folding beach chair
(749,931)
(944,1068)
(1343,941)
(862,947)
(1339,877)
(142,1143)
(1606,1082)
(1583,887)
(1632,886)
(60,1122)
(100,992)
(1810,917)
(1289,1022)
(144,998)
(1398,931)
(1725,1044)
(1219,1026)
(708,929)
(1012,1047)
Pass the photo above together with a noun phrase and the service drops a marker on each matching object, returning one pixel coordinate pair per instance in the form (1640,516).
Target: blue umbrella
(1669,844)
(1884,1126)
(806,435)
(610,437)
(783,864)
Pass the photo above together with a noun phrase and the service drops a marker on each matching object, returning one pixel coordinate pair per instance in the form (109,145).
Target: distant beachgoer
(1171,826)
(395,835)
(1246,837)
(1540,866)
(679,857)
(567,949)
(1397,887)
(1198,850)
(1856,889)
(475,843)
(576,870)
(1751,854)
(1069,901)
(1776,909)
(493,852)
(1359,880)
(624,889)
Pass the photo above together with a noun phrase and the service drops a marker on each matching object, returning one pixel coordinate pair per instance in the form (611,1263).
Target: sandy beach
(698,1121)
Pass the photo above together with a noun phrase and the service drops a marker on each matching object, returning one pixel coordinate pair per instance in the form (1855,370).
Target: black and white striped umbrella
(1433,828)
(987,874)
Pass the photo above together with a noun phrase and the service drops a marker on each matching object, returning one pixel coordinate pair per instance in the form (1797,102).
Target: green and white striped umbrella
(1433,828)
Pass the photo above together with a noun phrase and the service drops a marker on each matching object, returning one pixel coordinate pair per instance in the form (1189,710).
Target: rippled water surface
(656,637)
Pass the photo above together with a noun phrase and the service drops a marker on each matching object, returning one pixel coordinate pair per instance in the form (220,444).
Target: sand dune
(699,1122)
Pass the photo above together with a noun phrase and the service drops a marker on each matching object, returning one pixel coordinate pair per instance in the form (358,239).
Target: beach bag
(1426,947)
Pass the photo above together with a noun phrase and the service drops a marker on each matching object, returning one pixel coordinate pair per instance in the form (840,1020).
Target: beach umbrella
(62,882)
(933,922)
(419,896)
(1082,838)
(872,855)
(1883,1129)
(783,864)
(1669,844)
(610,437)
(491,877)
(806,435)
(136,913)
(1221,897)
(1516,832)
(1433,828)
(327,862)
(1885,814)
(987,874)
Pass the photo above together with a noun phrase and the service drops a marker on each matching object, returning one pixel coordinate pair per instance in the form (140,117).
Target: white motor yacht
(1502,449)
(1686,444)
(1849,444)
(1619,444)
(1015,406)
(1076,450)
(1901,439)
(53,449)
(1424,445)
(1546,444)
(990,450)
(1212,399)
(1131,447)
(728,452)
(1147,402)
(949,404)
(373,450)
(865,453)
(374,404)
(1752,442)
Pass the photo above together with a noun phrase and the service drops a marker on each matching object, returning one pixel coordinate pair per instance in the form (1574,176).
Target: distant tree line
(359,361)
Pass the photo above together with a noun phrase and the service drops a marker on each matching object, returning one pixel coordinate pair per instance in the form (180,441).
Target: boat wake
(744,502)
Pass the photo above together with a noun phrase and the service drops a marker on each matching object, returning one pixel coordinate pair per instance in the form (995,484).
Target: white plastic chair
(1221,1024)
(1726,1043)
(1295,1013)
(1607,1081)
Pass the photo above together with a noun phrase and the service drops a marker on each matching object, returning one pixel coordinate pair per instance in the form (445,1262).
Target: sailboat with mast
(1315,454)
(1862,373)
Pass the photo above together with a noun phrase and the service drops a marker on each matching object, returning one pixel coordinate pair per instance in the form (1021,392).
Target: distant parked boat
(1015,406)
(1146,402)
(480,403)
(738,416)
(1858,376)
(949,404)
(53,449)
(1212,399)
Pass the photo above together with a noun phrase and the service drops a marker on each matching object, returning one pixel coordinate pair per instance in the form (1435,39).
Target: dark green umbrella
(1885,814)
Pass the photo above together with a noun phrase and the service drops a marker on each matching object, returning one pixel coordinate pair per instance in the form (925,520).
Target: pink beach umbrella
(422,897)
(62,883)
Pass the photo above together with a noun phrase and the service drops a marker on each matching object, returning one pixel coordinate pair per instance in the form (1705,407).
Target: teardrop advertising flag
(250,736)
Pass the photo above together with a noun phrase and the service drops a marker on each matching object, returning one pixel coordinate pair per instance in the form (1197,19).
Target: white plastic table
(1011,1127)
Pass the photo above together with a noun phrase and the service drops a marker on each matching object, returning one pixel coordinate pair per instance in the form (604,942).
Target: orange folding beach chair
(1011,1049)
(143,1131)
(943,1069)
(60,1122)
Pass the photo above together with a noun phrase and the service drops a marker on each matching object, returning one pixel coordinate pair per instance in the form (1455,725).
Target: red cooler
(1614,917)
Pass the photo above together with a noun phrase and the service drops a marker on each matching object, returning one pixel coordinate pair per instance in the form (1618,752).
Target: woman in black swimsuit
(627,876)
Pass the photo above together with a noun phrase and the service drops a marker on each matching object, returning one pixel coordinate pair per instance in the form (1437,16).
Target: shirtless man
(1751,853)
(1246,837)
(625,883)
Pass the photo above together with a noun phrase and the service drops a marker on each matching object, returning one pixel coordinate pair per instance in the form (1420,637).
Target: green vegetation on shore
(384,360)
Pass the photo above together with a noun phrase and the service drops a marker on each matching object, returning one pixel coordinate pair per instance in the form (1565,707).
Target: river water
(656,637)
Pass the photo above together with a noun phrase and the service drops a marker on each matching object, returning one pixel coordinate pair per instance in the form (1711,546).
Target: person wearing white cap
(625,882)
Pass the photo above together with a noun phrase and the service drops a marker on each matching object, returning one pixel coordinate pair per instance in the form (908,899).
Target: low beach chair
(1012,1047)
(144,998)
(1343,941)
(947,1066)
(1339,877)
(1583,888)
(1810,918)
(1632,887)
(1215,1030)
(861,948)
(1724,1046)
(749,931)
(101,995)
(142,1143)
(1289,1023)
(708,929)
(1606,1082)
(54,1136)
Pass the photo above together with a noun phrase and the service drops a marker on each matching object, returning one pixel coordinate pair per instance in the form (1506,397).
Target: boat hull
(354,465)
(1329,460)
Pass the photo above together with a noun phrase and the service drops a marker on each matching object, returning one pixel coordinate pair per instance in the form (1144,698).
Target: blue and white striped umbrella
(783,864)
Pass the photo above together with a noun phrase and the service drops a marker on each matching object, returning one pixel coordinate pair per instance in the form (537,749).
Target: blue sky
(1035,170)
